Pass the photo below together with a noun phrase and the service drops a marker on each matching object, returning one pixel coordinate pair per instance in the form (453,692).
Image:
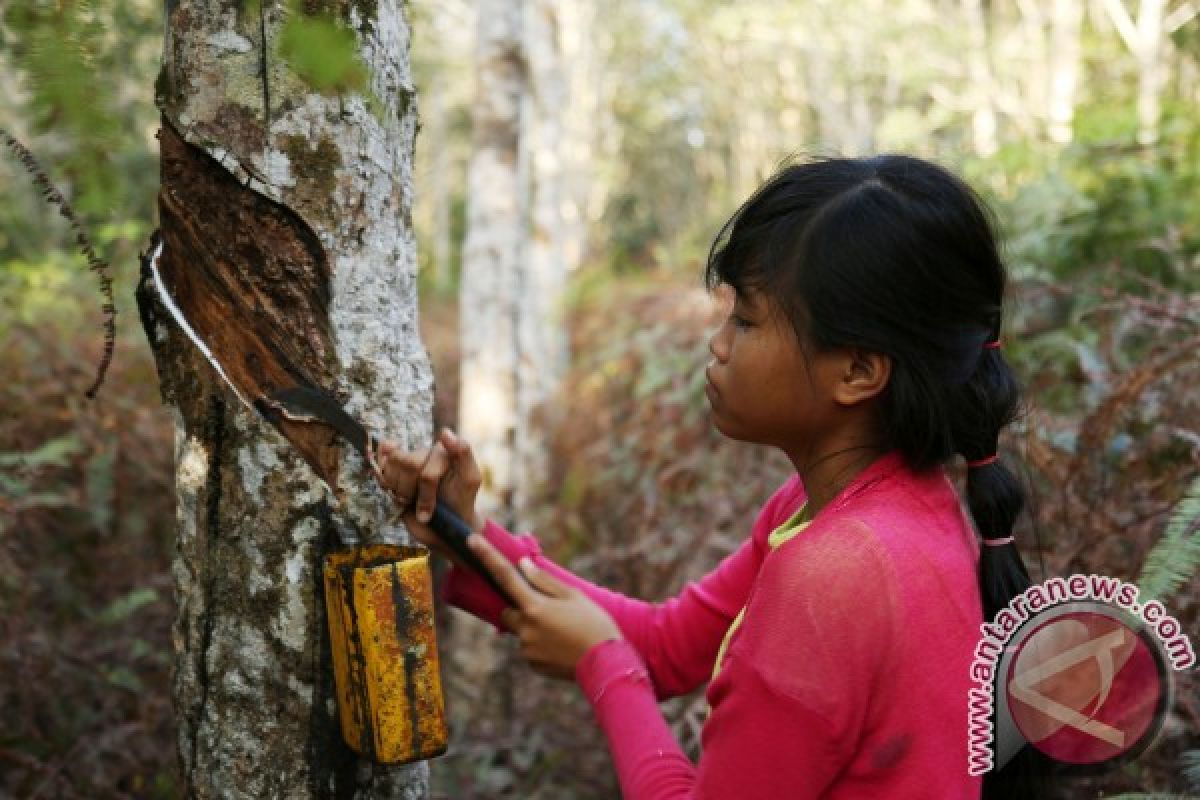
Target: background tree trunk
(492,255)
(439,194)
(245,141)
(489,308)
(1066,57)
(983,112)
(1145,36)
(541,326)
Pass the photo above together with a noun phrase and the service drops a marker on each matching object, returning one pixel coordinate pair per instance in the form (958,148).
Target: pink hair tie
(993,345)
(998,542)
(983,462)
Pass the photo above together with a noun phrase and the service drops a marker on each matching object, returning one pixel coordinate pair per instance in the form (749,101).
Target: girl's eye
(740,322)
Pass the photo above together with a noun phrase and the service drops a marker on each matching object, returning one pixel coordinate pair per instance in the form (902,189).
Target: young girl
(837,640)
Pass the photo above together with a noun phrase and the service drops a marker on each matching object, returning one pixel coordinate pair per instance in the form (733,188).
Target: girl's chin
(722,428)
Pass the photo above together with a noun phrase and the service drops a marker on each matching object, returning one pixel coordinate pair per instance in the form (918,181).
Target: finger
(434,469)
(385,450)
(510,618)
(541,580)
(542,668)
(464,459)
(550,670)
(400,471)
(504,572)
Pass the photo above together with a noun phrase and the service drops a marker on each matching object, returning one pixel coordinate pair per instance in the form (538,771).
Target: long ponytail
(986,404)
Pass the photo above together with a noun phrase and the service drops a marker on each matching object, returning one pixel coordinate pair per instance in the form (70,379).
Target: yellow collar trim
(794,524)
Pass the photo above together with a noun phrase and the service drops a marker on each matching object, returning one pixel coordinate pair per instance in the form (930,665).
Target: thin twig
(96,264)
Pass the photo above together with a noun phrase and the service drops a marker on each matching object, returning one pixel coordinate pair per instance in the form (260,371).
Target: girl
(837,640)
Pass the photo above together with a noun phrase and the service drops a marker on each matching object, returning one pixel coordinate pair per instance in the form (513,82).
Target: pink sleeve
(790,703)
(677,640)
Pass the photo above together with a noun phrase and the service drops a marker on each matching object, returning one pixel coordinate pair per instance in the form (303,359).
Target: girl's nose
(717,345)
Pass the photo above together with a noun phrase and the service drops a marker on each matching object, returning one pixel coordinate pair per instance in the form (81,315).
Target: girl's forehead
(746,297)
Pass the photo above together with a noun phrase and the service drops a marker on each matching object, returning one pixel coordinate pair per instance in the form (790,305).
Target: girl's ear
(864,375)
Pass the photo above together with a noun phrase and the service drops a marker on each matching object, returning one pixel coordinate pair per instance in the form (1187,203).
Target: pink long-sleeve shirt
(847,676)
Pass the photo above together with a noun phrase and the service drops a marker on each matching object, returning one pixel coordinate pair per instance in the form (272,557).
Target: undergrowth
(86,532)
(646,495)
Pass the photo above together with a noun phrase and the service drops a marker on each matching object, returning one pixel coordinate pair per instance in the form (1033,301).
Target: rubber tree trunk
(1066,63)
(979,68)
(297,203)
(1146,37)
(489,308)
(541,320)
(490,290)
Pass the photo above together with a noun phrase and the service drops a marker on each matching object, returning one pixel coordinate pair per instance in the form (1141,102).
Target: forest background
(1076,119)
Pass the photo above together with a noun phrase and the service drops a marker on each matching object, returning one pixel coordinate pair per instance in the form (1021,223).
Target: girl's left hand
(556,624)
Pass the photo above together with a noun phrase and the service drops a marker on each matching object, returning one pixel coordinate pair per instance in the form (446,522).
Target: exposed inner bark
(253,281)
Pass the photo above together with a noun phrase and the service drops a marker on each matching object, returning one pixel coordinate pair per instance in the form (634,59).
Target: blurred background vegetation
(1077,125)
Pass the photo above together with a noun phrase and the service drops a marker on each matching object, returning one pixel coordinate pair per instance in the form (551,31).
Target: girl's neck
(827,473)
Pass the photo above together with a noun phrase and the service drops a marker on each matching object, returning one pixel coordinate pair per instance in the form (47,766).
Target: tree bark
(983,113)
(1066,60)
(491,256)
(1152,68)
(440,195)
(1145,37)
(541,328)
(297,205)
(489,299)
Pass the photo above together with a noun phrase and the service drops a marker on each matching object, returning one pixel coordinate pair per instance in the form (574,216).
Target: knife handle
(451,529)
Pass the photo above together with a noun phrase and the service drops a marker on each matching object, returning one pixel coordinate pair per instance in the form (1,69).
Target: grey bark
(491,256)
(440,197)
(1066,61)
(541,327)
(518,250)
(488,311)
(1146,38)
(252,684)
(983,114)
(515,262)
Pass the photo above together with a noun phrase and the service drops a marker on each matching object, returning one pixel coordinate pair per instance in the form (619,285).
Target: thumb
(541,580)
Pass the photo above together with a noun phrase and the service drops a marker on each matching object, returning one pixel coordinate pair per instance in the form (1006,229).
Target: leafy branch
(96,264)
(1177,555)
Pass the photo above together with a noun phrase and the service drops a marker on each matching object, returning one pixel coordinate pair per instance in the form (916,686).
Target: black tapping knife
(309,404)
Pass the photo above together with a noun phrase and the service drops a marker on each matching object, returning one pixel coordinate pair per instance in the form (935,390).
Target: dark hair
(898,256)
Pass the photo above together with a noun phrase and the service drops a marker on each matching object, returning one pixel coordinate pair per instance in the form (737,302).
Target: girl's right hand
(416,480)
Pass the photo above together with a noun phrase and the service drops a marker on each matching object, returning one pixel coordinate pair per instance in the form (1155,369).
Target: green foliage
(53,453)
(1093,205)
(78,73)
(127,605)
(1177,555)
(96,264)
(1191,768)
(60,45)
(20,473)
(1190,763)
(323,52)
(75,61)
(85,604)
